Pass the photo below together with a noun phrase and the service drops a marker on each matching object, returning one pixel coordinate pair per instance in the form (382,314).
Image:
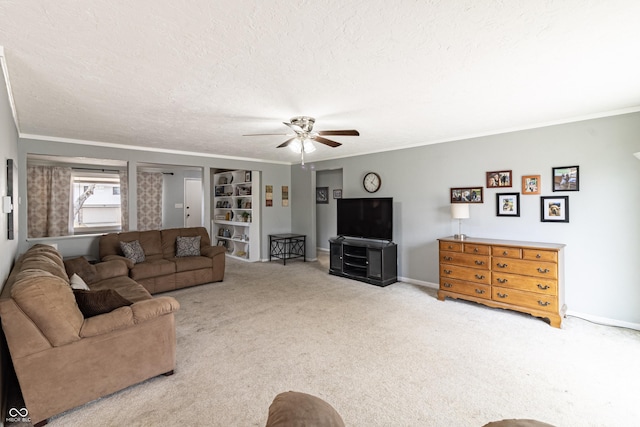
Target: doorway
(192,202)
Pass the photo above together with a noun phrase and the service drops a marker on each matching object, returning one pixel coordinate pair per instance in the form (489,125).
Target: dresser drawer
(528,268)
(451,246)
(467,260)
(465,273)
(525,283)
(506,251)
(471,248)
(540,255)
(525,299)
(472,289)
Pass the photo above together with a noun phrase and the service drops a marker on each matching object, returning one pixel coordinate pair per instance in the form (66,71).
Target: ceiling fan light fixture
(295,145)
(308,146)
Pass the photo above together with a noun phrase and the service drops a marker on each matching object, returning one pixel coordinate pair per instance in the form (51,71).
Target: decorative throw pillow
(82,268)
(77,282)
(92,303)
(188,246)
(133,251)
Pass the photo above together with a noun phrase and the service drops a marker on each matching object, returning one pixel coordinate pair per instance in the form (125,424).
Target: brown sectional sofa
(62,359)
(162,270)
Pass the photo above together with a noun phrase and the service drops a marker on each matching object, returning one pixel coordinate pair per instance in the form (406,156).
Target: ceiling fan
(301,142)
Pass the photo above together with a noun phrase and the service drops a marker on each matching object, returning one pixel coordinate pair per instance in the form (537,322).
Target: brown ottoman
(295,409)
(517,423)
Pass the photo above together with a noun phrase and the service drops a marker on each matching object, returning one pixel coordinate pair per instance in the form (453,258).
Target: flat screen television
(370,218)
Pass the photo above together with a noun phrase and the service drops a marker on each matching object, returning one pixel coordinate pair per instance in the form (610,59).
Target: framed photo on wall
(554,209)
(467,195)
(508,204)
(530,184)
(499,179)
(337,194)
(566,178)
(322,194)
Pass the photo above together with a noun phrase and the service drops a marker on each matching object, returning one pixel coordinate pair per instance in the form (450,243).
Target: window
(96,202)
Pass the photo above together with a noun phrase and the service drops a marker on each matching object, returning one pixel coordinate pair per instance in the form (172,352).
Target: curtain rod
(96,170)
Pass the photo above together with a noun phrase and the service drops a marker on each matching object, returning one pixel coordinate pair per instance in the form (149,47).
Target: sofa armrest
(212,251)
(152,308)
(111,268)
(124,317)
(119,318)
(127,261)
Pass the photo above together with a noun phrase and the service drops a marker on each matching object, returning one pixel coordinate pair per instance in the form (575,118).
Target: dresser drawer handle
(447,271)
(504,280)
(479,262)
(544,303)
(447,258)
(447,285)
(475,249)
(502,295)
(501,265)
(479,276)
(449,247)
(480,291)
(505,253)
(543,287)
(538,256)
(540,270)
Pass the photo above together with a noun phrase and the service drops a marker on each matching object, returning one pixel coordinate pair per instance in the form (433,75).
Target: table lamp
(460,211)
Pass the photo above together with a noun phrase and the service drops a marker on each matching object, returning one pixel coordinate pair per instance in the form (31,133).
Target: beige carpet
(393,356)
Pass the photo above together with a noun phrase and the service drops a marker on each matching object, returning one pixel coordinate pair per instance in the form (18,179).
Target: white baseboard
(419,282)
(604,320)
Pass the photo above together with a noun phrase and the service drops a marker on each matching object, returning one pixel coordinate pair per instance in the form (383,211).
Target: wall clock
(371,182)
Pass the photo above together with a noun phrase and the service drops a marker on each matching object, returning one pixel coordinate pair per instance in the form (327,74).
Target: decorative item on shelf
(247,176)
(245,216)
(460,211)
(222,180)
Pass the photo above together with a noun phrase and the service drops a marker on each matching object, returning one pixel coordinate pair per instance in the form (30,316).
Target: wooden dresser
(521,276)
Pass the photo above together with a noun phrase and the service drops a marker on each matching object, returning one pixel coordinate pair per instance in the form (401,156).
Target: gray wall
(8,248)
(274,219)
(326,214)
(173,192)
(602,237)
(9,150)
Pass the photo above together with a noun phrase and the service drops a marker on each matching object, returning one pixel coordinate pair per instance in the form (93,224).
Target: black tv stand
(371,261)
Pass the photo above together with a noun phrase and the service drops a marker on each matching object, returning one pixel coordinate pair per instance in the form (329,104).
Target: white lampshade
(459,210)
(637,154)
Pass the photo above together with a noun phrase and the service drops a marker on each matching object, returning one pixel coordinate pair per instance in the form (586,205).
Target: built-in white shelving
(236,213)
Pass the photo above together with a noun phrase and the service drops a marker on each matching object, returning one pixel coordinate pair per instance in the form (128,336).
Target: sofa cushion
(77,282)
(133,251)
(48,300)
(40,261)
(191,263)
(187,246)
(154,268)
(295,409)
(93,303)
(82,268)
(125,286)
(170,235)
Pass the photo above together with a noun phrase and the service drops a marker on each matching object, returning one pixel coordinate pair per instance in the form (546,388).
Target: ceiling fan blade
(347,132)
(326,141)
(296,128)
(265,134)
(287,142)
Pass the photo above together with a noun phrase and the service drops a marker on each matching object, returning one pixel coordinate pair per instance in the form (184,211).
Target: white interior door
(192,202)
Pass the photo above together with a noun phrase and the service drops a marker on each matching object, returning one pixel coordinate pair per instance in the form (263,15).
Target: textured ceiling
(197,75)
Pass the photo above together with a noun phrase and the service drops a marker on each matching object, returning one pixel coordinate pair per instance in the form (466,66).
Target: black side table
(287,246)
